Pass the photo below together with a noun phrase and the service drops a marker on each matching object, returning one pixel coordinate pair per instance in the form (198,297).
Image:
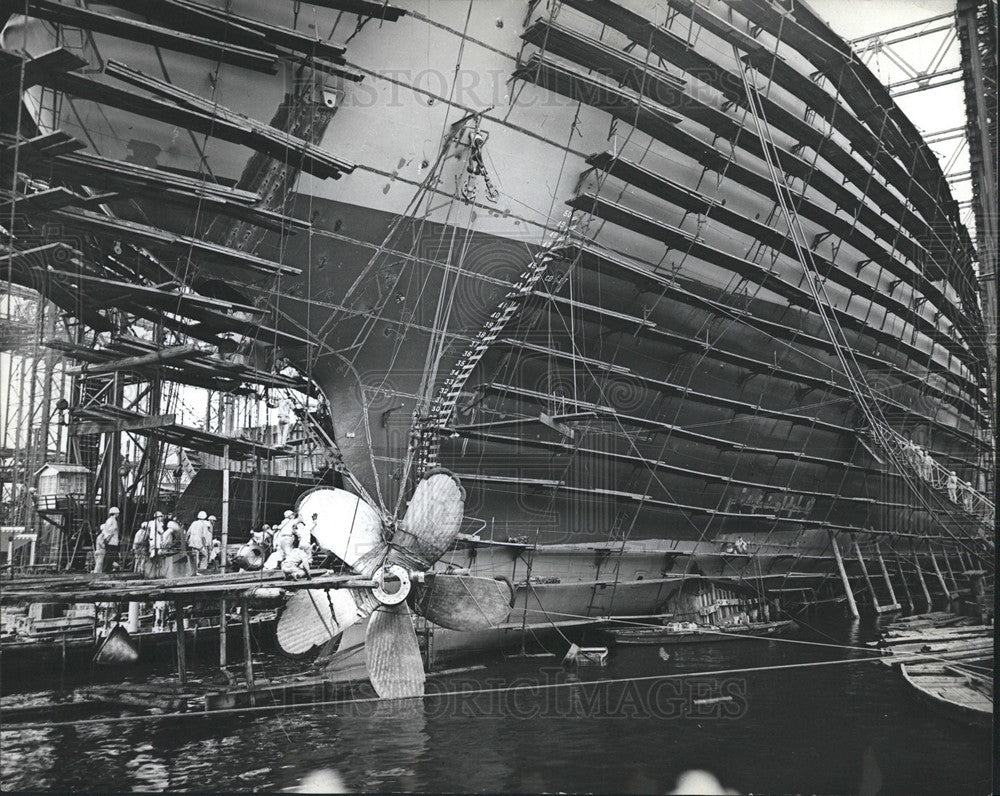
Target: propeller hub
(392,584)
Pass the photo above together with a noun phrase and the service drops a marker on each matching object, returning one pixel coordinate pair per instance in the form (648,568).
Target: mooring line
(923,657)
(600,620)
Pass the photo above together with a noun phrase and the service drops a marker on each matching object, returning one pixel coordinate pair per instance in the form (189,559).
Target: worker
(968,497)
(140,544)
(173,537)
(107,540)
(264,538)
(284,542)
(157,534)
(286,522)
(215,553)
(951,484)
(199,539)
(926,465)
(304,532)
(261,537)
(100,551)
(297,562)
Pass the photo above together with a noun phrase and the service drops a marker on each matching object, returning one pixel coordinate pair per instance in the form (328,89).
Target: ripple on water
(820,729)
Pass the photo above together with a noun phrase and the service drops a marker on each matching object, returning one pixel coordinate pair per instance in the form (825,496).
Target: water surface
(829,729)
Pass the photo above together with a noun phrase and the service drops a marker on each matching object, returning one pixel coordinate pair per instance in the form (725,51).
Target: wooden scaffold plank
(190,43)
(218,122)
(18,74)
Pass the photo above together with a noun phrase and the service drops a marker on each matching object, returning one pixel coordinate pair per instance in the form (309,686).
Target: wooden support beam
(249,585)
(185,18)
(247,651)
(222,560)
(216,121)
(39,202)
(366,8)
(47,144)
(937,570)
(223,634)
(86,427)
(852,604)
(920,575)
(161,240)
(35,70)
(181,651)
(947,565)
(129,363)
(132,180)
(273,35)
(894,606)
(868,580)
(135,31)
(906,586)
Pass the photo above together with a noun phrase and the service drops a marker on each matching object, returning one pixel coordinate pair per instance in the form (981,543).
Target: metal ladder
(427,433)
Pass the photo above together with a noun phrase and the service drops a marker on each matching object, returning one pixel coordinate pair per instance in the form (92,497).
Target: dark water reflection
(821,729)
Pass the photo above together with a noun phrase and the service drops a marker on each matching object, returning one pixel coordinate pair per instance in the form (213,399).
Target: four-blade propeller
(399,565)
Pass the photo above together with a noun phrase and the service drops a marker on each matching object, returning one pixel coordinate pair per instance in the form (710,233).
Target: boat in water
(690,632)
(963,690)
(673,289)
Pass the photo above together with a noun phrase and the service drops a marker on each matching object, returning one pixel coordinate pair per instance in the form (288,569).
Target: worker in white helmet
(284,541)
(968,495)
(951,484)
(143,541)
(157,534)
(286,523)
(107,541)
(298,558)
(926,465)
(199,538)
(173,537)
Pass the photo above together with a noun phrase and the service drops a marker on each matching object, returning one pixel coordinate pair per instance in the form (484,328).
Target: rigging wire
(521,687)
(880,429)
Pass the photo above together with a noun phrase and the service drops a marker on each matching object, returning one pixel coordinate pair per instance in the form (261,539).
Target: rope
(882,433)
(631,623)
(913,657)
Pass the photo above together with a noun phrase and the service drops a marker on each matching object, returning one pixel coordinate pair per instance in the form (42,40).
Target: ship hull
(585,302)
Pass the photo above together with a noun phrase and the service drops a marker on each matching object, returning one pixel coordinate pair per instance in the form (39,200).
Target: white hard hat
(159,514)
(211,517)
(202,515)
(289,514)
(113,510)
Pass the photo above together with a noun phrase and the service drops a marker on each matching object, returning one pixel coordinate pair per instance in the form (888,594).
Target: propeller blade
(433,517)
(314,616)
(464,602)
(392,653)
(345,525)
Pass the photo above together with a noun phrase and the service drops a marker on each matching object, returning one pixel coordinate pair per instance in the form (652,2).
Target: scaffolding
(121,308)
